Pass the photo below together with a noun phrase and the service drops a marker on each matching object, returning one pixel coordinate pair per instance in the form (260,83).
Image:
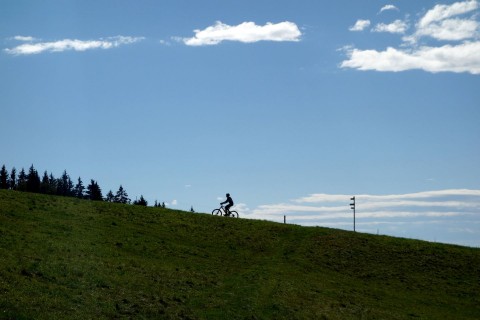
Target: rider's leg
(227,210)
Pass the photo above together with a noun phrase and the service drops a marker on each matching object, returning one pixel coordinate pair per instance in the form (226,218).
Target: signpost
(352,206)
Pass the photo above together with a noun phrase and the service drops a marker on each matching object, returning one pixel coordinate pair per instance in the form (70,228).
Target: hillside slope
(68,258)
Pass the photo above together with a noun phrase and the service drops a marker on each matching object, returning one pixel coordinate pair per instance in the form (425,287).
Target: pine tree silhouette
(121,196)
(110,197)
(94,192)
(33,180)
(79,189)
(141,202)
(22,181)
(53,184)
(12,183)
(65,185)
(4,178)
(45,184)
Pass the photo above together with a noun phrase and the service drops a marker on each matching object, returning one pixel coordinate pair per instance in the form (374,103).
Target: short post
(285,219)
(352,206)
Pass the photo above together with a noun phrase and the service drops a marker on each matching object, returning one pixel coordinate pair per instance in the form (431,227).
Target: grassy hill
(64,258)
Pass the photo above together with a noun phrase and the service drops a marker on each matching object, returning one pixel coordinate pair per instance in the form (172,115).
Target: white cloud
(164,42)
(246,32)
(242,208)
(321,197)
(398,26)
(441,12)
(280,209)
(360,25)
(442,23)
(388,7)
(71,44)
(457,58)
(24,38)
(449,29)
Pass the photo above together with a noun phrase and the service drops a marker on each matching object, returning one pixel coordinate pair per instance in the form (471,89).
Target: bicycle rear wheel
(217,212)
(234,214)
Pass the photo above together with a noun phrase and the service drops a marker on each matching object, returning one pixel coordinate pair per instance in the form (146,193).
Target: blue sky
(292,107)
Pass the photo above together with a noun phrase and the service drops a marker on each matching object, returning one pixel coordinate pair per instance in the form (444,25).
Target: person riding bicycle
(229,205)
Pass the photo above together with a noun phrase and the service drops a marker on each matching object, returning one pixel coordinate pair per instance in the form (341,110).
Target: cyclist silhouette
(229,205)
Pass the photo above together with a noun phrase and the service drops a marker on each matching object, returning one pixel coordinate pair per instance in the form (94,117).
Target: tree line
(63,186)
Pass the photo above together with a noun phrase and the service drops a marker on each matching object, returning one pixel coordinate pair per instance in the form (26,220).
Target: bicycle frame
(221,211)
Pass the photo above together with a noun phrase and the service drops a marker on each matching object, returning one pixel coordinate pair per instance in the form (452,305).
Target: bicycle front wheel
(234,214)
(217,212)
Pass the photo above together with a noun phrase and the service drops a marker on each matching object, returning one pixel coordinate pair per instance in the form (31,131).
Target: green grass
(64,258)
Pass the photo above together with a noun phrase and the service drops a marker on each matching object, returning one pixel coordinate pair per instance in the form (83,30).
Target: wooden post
(284,219)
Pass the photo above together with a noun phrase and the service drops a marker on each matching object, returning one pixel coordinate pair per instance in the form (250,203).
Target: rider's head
(228,194)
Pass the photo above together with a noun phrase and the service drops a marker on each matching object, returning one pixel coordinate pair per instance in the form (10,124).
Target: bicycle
(221,212)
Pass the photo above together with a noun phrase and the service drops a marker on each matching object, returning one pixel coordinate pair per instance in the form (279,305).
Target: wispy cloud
(33,47)
(24,38)
(448,29)
(442,11)
(246,32)
(443,22)
(321,197)
(172,203)
(457,58)
(456,23)
(388,7)
(360,25)
(398,26)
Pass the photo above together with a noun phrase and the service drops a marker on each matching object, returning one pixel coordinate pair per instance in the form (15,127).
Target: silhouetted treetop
(79,189)
(141,201)
(33,180)
(4,178)
(94,192)
(121,196)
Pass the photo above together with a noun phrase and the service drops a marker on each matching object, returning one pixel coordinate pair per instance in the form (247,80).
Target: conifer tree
(45,184)
(141,202)
(94,192)
(22,181)
(3,178)
(79,189)
(33,180)
(53,183)
(60,187)
(110,197)
(12,183)
(65,185)
(70,190)
(121,196)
